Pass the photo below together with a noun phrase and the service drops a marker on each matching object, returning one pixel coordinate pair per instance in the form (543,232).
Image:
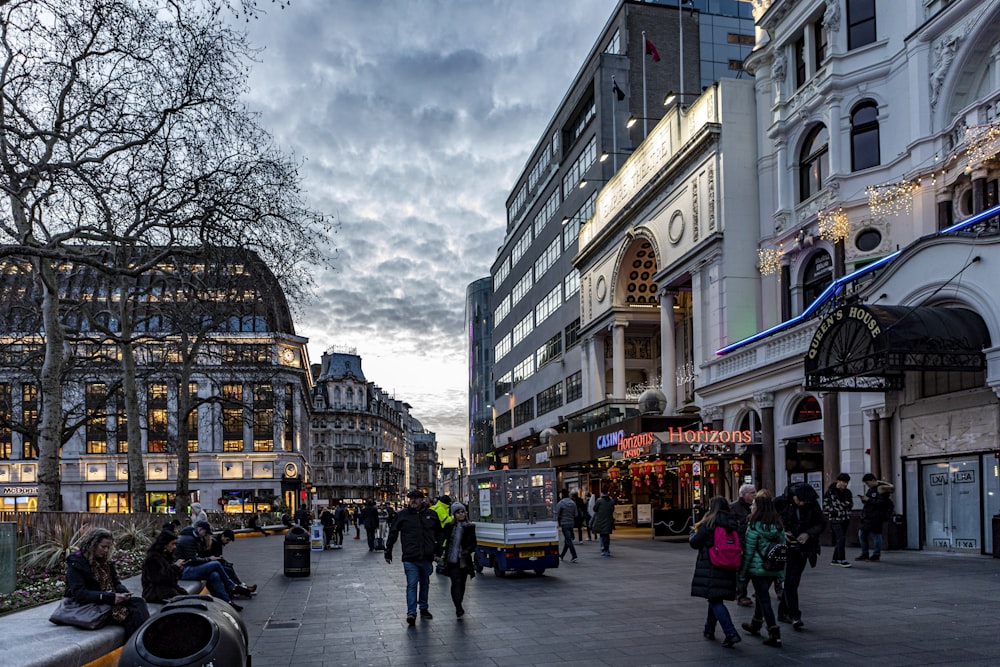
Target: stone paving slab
(912,608)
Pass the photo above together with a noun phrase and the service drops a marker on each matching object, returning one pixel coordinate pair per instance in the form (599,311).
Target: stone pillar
(978,191)
(585,346)
(873,447)
(618,358)
(945,217)
(712,416)
(668,350)
(765,400)
(885,447)
(831,437)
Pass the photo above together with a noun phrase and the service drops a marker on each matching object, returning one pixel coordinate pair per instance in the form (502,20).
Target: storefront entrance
(952,505)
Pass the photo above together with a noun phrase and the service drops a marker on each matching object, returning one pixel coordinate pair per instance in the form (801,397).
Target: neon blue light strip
(837,286)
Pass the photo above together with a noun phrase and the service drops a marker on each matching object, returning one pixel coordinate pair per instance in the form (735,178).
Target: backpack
(725,552)
(774,555)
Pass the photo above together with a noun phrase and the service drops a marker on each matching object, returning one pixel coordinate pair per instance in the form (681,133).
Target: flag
(619,93)
(651,51)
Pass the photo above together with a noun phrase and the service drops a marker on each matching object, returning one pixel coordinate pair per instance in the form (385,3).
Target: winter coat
(302,517)
(581,512)
(566,512)
(877,506)
(838,504)
(444,513)
(326,518)
(603,522)
(197,513)
(369,517)
(741,511)
(190,548)
(82,586)
(709,581)
(340,516)
(466,550)
(807,518)
(159,578)
(757,537)
(419,533)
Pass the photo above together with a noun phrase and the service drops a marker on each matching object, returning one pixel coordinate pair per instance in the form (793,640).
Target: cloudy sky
(412,119)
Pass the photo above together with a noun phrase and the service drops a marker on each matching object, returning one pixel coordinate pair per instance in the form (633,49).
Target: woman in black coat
(710,582)
(458,556)
(161,570)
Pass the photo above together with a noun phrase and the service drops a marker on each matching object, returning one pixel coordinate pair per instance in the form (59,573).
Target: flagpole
(614,124)
(644,113)
(680,32)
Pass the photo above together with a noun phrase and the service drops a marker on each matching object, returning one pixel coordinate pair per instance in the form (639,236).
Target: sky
(412,119)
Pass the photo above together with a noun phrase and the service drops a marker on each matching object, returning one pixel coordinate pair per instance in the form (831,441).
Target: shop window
(860,23)
(807,410)
(817,276)
(29,419)
(864,136)
(814,162)
(109,502)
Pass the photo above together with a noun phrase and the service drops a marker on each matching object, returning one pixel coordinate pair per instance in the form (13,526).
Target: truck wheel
(540,571)
(498,571)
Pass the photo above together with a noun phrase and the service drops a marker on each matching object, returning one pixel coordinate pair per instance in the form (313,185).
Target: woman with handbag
(91,579)
(458,563)
(161,570)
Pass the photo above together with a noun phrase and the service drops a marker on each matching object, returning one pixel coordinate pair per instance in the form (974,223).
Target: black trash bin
(192,630)
(297,552)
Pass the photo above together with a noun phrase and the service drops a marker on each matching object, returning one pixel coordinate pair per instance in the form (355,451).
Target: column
(831,437)
(978,191)
(618,358)
(874,460)
(765,400)
(597,369)
(668,350)
(585,348)
(885,445)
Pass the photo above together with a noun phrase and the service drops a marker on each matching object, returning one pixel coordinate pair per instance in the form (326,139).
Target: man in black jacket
(804,523)
(196,567)
(370,519)
(418,529)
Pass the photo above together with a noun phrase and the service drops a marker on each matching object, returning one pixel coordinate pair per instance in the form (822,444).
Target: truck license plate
(532,554)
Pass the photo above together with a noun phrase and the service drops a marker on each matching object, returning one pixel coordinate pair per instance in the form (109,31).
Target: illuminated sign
(19,490)
(675,435)
(636,445)
(610,439)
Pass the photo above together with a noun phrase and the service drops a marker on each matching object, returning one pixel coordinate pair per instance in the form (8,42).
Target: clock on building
(288,355)
(291,470)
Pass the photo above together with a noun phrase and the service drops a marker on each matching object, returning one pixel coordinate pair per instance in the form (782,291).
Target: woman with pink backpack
(717,540)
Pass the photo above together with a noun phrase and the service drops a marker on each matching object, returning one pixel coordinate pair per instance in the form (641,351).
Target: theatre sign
(676,441)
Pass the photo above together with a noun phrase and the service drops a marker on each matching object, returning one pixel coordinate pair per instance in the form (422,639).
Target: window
(860,23)
(121,422)
(550,399)
(503,384)
(547,258)
(515,208)
(807,410)
(502,272)
(548,305)
(503,422)
(586,160)
(6,446)
(192,419)
(29,419)
(571,230)
(574,386)
(156,418)
(263,418)
(96,428)
(800,62)
(524,369)
(522,329)
(864,136)
(571,284)
(817,277)
(543,216)
(615,44)
(502,348)
(814,162)
(109,503)
(289,422)
(549,351)
(819,43)
(232,418)
(499,312)
(521,288)
(572,333)
(524,412)
(521,246)
(868,240)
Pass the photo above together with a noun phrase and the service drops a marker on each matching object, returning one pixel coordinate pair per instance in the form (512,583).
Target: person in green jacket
(443,509)
(764,526)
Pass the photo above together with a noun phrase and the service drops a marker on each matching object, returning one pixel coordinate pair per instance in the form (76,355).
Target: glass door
(952,506)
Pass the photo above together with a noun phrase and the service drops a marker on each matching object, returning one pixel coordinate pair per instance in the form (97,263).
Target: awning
(870,348)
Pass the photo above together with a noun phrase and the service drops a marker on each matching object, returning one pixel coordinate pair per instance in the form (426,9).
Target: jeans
(605,543)
(762,609)
(717,611)
(231,572)
(796,565)
(418,580)
(567,531)
(840,538)
(876,541)
(218,582)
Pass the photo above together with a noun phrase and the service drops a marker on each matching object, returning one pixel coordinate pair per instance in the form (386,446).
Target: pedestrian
(591,499)
(603,522)
(442,507)
(838,503)
(419,532)
(356,520)
(764,528)
(458,556)
(340,519)
(876,509)
(370,518)
(326,518)
(198,513)
(566,514)
(804,523)
(302,516)
(581,515)
(710,582)
(741,509)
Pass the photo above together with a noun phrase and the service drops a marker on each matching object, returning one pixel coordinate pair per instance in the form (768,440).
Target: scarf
(102,573)
(455,542)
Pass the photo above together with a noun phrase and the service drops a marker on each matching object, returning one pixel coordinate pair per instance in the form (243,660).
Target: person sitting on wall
(215,549)
(162,570)
(208,568)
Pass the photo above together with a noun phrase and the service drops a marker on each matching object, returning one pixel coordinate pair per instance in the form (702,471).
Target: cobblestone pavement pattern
(913,608)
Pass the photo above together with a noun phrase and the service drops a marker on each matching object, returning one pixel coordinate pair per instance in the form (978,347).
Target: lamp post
(461,471)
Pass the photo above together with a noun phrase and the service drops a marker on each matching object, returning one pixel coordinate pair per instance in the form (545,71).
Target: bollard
(8,556)
(316,531)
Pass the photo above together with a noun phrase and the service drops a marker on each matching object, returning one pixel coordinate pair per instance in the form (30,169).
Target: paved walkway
(913,608)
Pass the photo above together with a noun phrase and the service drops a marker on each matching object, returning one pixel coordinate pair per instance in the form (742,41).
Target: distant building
(479,332)
(424,470)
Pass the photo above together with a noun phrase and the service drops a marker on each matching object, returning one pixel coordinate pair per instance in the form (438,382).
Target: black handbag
(89,616)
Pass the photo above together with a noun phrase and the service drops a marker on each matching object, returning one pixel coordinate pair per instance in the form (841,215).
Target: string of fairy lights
(982,144)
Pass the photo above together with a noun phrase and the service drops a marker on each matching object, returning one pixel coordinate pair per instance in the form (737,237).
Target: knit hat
(456,507)
(203,524)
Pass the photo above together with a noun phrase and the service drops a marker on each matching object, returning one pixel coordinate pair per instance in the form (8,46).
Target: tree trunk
(130,391)
(182,496)
(50,391)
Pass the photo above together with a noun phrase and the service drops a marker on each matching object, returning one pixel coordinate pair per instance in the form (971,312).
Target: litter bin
(191,631)
(297,552)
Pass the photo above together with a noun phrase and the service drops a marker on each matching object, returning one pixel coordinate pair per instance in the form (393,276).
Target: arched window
(336,396)
(817,277)
(864,136)
(807,410)
(814,162)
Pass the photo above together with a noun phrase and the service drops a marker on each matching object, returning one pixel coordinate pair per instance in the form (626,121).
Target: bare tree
(121,129)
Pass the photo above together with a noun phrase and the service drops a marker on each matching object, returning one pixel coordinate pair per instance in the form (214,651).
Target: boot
(753,627)
(773,636)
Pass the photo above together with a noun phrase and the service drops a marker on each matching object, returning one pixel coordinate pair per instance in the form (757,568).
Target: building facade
(479,332)
(245,369)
